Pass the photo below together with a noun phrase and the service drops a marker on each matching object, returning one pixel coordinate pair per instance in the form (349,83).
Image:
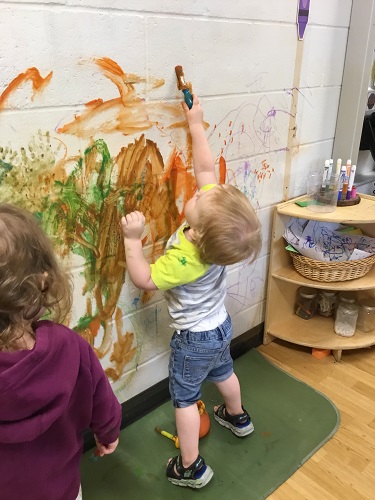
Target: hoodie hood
(36,385)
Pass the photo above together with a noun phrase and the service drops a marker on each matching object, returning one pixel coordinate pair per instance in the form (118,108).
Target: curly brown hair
(229,231)
(31,278)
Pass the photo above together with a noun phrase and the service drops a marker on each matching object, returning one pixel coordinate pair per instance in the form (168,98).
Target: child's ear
(44,281)
(194,235)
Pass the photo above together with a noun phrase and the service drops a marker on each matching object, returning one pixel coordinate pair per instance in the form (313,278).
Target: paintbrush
(95,456)
(182,85)
(169,436)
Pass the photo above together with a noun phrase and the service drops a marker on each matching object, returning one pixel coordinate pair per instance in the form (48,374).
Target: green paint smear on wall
(81,211)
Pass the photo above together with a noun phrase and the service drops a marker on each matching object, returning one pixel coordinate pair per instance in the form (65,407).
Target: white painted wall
(241,58)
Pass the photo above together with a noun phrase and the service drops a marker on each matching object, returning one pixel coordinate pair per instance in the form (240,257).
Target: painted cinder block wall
(103,79)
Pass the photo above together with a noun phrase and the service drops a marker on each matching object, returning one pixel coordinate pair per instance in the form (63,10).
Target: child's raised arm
(138,267)
(203,161)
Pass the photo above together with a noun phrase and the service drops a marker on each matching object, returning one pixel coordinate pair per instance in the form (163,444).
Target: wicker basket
(332,271)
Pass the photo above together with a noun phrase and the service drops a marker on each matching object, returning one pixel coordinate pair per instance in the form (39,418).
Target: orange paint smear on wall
(30,74)
(182,181)
(222,170)
(127,114)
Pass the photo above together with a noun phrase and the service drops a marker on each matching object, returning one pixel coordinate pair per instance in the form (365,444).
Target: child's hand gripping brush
(95,455)
(182,85)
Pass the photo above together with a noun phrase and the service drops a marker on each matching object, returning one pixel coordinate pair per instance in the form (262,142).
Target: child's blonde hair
(30,276)
(229,230)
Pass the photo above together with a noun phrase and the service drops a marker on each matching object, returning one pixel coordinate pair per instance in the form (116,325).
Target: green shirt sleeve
(180,264)
(177,268)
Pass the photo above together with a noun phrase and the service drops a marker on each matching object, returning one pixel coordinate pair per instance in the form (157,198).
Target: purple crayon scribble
(302,17)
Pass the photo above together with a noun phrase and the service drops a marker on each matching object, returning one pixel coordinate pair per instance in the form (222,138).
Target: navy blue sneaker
(197,475)
(241,425)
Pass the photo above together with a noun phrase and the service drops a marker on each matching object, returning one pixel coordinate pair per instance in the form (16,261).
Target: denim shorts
(198,356)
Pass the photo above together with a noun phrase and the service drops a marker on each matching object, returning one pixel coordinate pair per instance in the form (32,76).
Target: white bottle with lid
(346,319)
(366,315)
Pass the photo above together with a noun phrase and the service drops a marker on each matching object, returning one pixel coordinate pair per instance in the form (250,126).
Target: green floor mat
(291,422)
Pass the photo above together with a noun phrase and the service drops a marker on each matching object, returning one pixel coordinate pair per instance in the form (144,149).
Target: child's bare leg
(231,393)
(189,468)
(231,414)
(188,422)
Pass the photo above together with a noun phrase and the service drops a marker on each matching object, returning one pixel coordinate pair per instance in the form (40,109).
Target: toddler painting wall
(91,128)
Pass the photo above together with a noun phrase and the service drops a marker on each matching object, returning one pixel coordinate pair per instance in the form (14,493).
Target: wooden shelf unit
(284,280)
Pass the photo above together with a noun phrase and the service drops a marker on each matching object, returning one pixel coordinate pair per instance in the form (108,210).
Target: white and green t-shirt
(194,290)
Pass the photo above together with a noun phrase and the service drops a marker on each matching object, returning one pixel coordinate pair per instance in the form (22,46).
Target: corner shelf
(363,213)
(283,281)
(289,274)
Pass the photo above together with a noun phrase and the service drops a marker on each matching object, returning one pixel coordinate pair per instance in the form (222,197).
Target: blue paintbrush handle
(188,98)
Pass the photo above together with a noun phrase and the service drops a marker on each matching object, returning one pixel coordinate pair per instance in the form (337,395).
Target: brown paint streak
(141,164)
(122,352)
(110,251)
(30,74)
(140,182)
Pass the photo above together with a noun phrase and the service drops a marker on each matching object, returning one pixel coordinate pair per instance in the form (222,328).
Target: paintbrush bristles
(181,84)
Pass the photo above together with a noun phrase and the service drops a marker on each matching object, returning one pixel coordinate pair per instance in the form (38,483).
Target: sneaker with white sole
(241,425)
(197,475)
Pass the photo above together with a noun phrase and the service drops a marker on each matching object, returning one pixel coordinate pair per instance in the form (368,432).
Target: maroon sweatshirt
(48,397)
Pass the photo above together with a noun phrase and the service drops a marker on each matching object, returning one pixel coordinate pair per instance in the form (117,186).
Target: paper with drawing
(327,241)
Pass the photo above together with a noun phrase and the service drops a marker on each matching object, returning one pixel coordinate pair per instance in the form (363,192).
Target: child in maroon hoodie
(52,386)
